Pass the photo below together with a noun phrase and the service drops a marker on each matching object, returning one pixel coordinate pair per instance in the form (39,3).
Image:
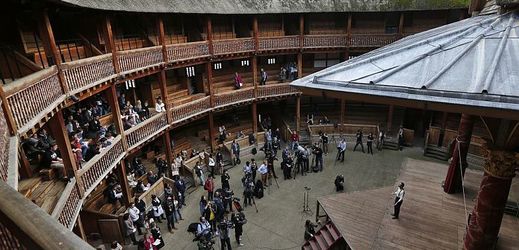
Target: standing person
(211,163)
(309,230)
(158,211)
(225,180)
(157,236)
(199,173)
(178,206)
(263,170)
(225,240)
(270,165)
(238,82)
(181,189)
(130,228)
(238,220)
(370,143)
(381,138)
(253,168)
(149,242)
(159,106)
(401,140)
(227,195)
(134,213)
(169,209)
(324,139)
(318,152)
(202,205)
(341,148)
(248,192)
(219,161)
(294,138)
(263,77)
(236,152)
(399,198)
(286,165)
(282,74)
(247,170)
(339,183)
(209,186)
(359,141)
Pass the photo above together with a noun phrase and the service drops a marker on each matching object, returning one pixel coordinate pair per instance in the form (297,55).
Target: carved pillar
(47,38)
(298,114)
(452,182)
(209,88)
(485,219)
(299,64)
(255,74)
(301,30)
(169,152)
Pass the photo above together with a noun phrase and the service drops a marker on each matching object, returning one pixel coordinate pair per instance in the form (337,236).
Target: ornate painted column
(485,220)
(452,182)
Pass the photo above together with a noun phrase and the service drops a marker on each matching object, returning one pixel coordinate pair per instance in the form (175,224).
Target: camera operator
(302,159)
(239,220)
(223,227)
(227,195)
(203,229)
(270,164)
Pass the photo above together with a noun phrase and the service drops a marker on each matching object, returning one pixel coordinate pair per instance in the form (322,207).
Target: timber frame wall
(30,102)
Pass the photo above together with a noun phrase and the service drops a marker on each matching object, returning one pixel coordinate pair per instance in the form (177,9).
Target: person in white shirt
(399,198)
(247,169)
(159,106)
(204,228)
(212,164)
(134,213)
(263,170)
(341,148)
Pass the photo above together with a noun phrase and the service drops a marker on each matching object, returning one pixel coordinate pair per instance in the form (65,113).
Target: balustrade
(146,129)
(234,97)
(273,90)
(371,40)
(30,96)
(4,146)
(281,42)
(230,46)
(68,207)
(88,72)
(140,58)
(190,109)
(100,165)
(179,52)
(325,41)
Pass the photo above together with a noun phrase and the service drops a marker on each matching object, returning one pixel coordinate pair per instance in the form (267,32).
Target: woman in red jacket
(148,242)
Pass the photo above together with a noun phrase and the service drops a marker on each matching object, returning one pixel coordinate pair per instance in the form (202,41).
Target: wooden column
(211,131)
(164,94)
(348,30)
(110,43)
(82,233)
(162,41)
(389,118)
(209,74)
(255,74)
(298,114)
(169,151)
(347,54)
(255,32)
(485,220)
(11,123)
(342,117)
(254,118)
(121,172)
(57,128)
(453,183)
(401,24)
(210,35)
(301,30)
(442,129)
(299,65)
(111,96)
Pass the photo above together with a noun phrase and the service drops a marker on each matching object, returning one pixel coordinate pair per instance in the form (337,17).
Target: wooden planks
(430,218)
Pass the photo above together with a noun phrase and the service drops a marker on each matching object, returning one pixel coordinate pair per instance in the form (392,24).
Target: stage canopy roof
(473,62)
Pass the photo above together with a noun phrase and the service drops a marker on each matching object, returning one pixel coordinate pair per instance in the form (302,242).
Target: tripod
(306,207)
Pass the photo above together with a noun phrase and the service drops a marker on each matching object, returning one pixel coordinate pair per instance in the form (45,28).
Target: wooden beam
(164,94)
(401,24)
(111,96)
(121,172)
(209,74)
(110,43)
(87,43)
(26,62)
(210,35)
(348,25)
(168,151)
(299,65)
(162,41)
(444,119)
(254,119)
(298,114)
(82,233)
(255,32)
(11,123)
(211,131)
(301,30)
(57,128)
(255,74)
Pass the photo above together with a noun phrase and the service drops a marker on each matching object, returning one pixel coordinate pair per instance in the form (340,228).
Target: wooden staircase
(436,152)
(328,237)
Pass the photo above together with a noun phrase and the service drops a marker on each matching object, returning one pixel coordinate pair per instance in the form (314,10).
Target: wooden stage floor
(429,218)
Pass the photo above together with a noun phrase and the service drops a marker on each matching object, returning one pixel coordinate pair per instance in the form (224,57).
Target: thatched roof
(265,6)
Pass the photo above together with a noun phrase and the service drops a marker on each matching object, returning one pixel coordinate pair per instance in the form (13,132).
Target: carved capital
(501,163)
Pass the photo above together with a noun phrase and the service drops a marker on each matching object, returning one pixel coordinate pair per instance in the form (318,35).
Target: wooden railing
(230,46)
(281,42)
(185,111)
(4,146)
(179,52)
(140,58)
(233,97)
(476,146)
(100,165)
(371,40)
(325,41)
(33,96)
(88,72)
(273,90)
(67,209)
(146,129)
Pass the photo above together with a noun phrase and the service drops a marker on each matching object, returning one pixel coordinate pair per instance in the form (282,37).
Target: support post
(389,118)
(164,94)
(255,75)
(11,124)
(162,41)
(82,233)
(348,29)
(211,130)
(210,35)
(445,115)
(111,96)
(485,220)
(255,33)
(254,119)
(110,43)
(453,183)
(299,65)
(210,91)
(298,114)
(343,108)
(401,25)
(169,152)
(58,131)
(121,172)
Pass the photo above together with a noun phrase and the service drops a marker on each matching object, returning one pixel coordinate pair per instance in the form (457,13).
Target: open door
(110,230)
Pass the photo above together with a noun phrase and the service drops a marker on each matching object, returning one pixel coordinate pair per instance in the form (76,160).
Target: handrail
(234,97)
(278,89)
(237,45)
(278,42)
(88,72)
(29,80)
(190,109)
(34,228)
(146,129)
(317,41)
(131,60)
(186,51)
(68,206)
